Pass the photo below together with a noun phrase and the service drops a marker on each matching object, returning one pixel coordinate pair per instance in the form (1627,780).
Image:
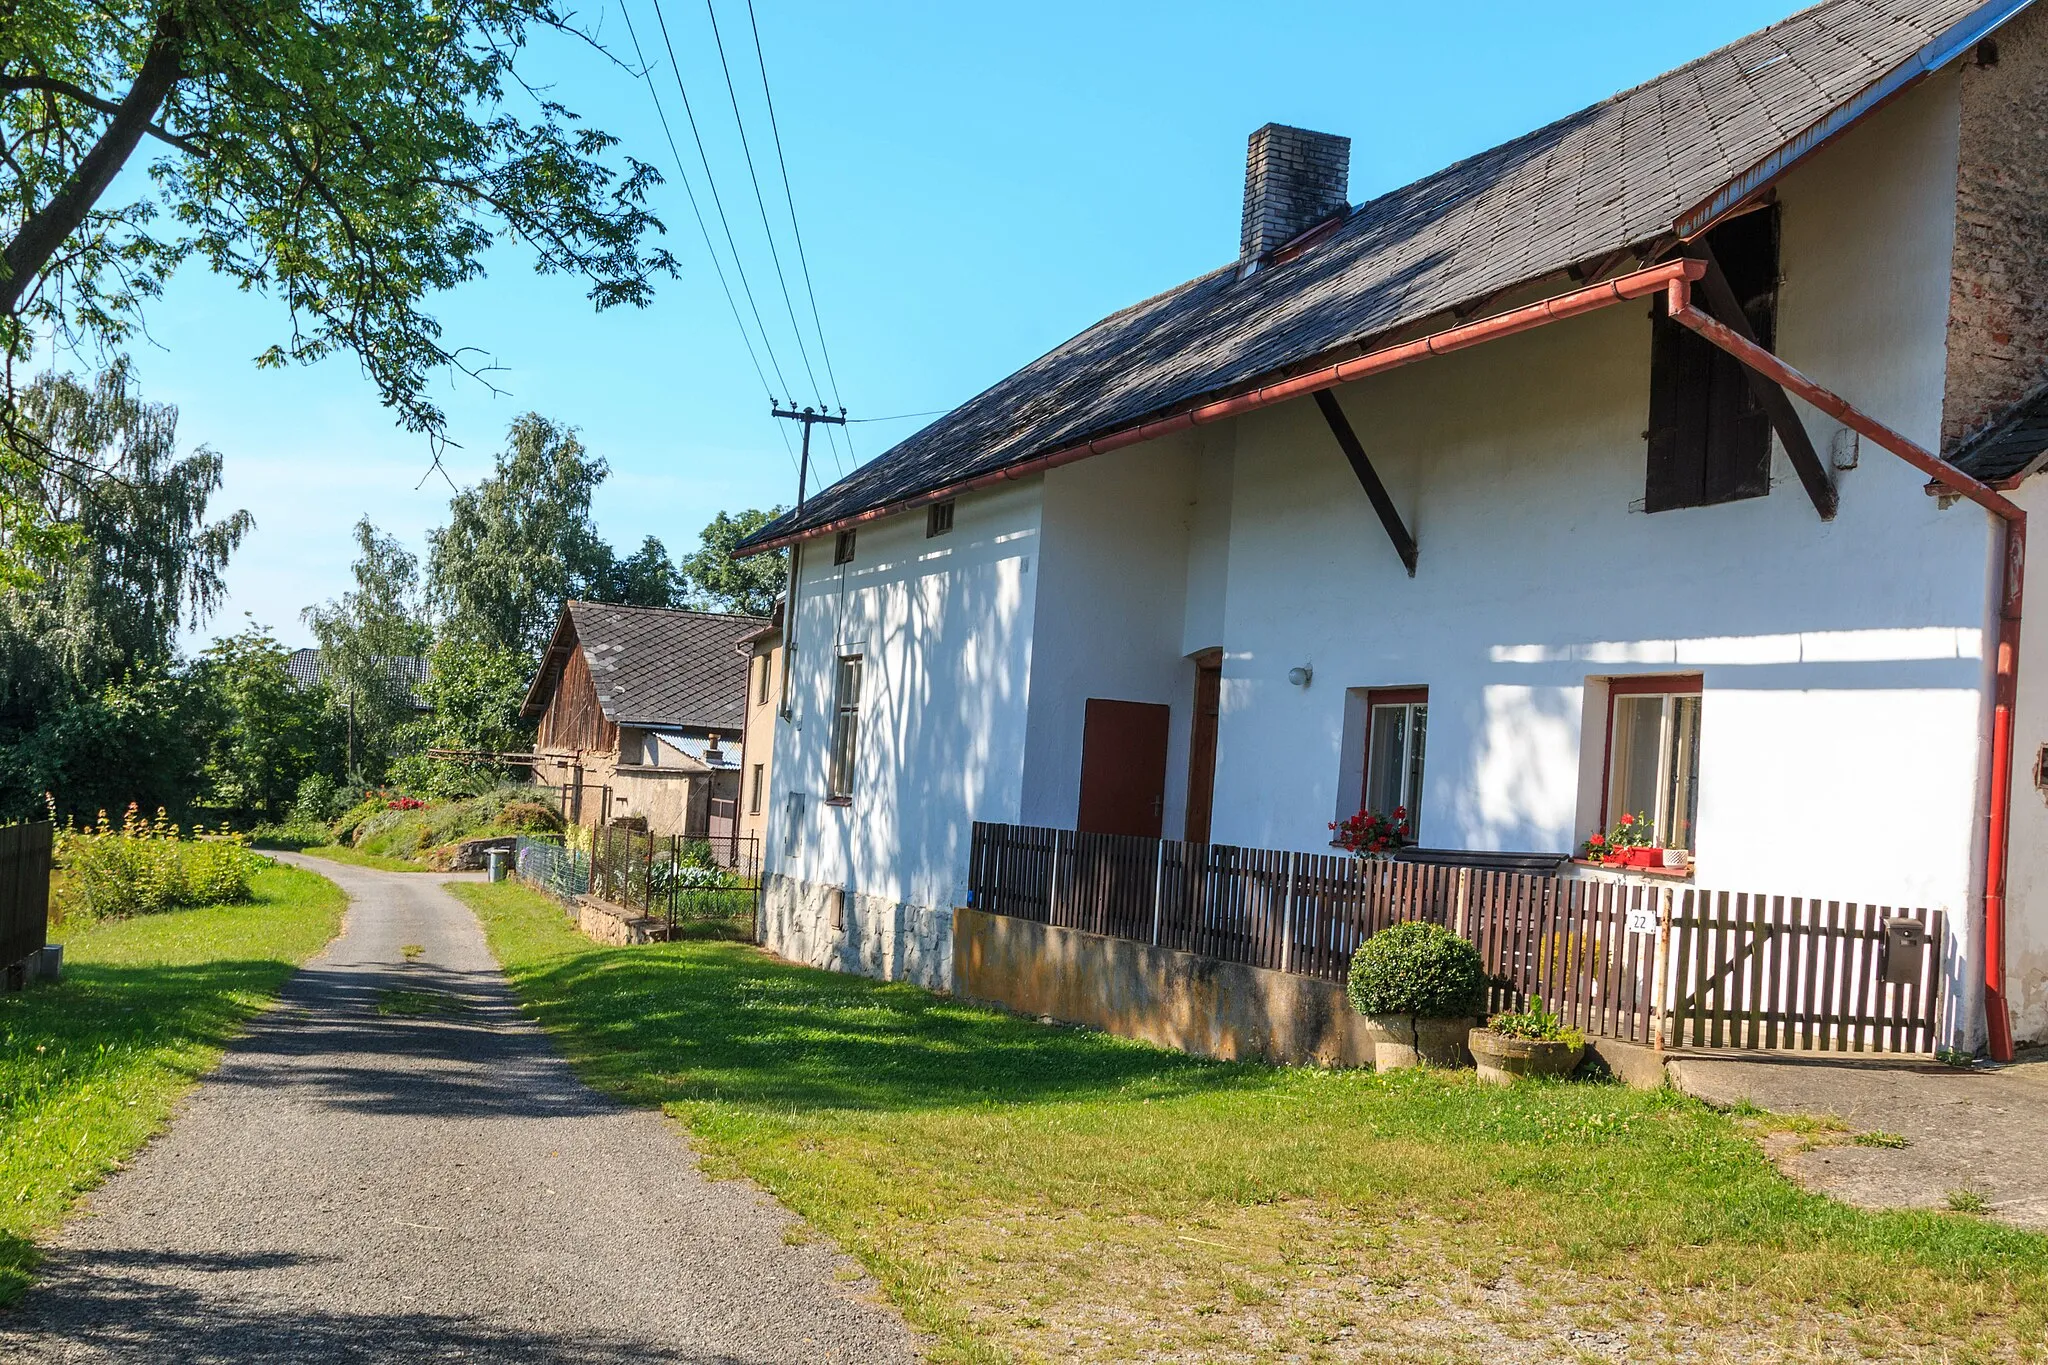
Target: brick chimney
(1293,179)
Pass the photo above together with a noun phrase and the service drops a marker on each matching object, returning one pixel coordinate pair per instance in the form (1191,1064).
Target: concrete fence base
(1179,1000)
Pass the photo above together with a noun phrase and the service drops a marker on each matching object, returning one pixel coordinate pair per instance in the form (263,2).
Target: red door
(1123,768)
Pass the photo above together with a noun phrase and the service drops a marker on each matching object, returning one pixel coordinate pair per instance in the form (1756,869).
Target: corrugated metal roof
(1616,175)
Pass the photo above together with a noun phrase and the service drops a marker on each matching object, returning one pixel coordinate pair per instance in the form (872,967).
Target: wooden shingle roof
(654,667)
(1616,176)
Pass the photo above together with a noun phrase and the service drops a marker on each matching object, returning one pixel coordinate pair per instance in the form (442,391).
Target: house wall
(574,719)
(1998,309)
(757,743)
(945,629)
(1845,663)
(2026,944)
(1115,537)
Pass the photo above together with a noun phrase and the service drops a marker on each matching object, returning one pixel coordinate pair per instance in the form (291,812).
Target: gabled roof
(652,667)
(1614,178)
(2010,447)
(407,670)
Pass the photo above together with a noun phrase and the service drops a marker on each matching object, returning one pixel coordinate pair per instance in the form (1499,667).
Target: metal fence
(1645,963)
(556,869)
(24,891)
(671,878)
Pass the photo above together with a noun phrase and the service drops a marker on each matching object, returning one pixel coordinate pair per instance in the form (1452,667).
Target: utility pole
(810,417)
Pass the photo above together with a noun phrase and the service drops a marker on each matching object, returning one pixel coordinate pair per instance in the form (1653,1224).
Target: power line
(789,198)
(696,211)
(761,203)
(898,417)
(717,202)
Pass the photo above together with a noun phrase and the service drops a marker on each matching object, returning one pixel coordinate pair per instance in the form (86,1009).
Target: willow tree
(350,160)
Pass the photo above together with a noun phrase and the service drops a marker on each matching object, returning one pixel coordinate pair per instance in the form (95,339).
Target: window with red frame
(1396,733)
(1653,756)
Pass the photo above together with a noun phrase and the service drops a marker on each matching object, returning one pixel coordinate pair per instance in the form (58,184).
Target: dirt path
(395,1165)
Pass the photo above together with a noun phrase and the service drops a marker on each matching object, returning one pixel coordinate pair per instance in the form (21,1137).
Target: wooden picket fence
(24,890)
(1643,963)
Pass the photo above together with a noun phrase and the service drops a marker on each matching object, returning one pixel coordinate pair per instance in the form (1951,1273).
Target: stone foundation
(826,926)
(609,924)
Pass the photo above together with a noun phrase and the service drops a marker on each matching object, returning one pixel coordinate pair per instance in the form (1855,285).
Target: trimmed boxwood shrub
(1417,969)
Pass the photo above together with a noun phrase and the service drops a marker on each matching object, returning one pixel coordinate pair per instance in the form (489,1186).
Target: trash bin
(494,862)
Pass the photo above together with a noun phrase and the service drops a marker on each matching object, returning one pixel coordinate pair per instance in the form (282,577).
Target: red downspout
(1638,285)
(1997,1019)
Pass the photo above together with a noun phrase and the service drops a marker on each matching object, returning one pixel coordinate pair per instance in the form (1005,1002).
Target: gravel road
(355,1184)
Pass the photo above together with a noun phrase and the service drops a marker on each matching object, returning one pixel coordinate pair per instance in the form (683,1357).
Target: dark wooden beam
(1719,298)
(1368,478)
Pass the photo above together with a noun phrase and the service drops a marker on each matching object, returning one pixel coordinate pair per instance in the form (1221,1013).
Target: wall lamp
(1301,676)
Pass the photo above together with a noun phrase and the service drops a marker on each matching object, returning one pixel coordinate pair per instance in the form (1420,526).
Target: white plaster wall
(2026,944)
(945,628)
(1845,663)
(1115,535)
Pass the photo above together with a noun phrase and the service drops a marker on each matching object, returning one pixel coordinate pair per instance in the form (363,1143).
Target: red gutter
(1997,1020)
(1638,285)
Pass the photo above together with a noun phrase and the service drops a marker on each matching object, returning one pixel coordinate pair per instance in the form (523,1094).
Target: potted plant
(1421,988)
(1370,836)
(1532,1042)
(1631,843)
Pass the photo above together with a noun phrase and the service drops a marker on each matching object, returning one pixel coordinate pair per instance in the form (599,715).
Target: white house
(1349,522)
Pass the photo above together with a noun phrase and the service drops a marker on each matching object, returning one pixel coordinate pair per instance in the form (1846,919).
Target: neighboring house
(757,752)
(1227,565)
(641,712)
(408,671)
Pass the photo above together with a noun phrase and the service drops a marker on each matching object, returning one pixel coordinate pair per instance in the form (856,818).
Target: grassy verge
(90,1068)
(1036,1193)
(355,857)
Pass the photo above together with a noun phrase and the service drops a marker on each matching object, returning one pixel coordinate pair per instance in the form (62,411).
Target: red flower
(1628,819)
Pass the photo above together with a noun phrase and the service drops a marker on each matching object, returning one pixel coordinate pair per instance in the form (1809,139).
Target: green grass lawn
(1029,1193)
(90,1067)
(341,853)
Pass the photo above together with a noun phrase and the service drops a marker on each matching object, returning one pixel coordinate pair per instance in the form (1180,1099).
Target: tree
(722,583)
(367,641)
(266,734)
(353,160)
(644,578)
(88,632)
(475,691)
(521,542)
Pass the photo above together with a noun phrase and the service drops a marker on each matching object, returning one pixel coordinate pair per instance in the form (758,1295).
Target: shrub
(1536,1024)
(1417,969)
(144,867)
(319,801)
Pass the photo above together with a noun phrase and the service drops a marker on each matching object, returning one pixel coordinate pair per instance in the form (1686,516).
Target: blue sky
(975,184)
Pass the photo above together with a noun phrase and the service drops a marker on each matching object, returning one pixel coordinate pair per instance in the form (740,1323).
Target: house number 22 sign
(1641,921)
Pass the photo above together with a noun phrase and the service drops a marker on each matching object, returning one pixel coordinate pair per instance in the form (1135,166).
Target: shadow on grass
(705,1020)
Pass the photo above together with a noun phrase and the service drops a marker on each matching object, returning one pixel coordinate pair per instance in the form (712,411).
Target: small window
(938,519)
(766,669)
(793,831)
(758,781)
(842,550)
(845,725)
(1709,439)
(1653,756)
(1396,734)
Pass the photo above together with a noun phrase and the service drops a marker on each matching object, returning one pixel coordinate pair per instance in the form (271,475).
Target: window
(1396,732)
(1653,756)
(938,519)
(793,840)
(845,725)
(759,780)
(766,669)
(1709,439)
(842,549)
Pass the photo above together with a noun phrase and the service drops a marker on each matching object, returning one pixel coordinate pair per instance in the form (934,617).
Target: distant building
(409,671)
(757,752)
(641,715)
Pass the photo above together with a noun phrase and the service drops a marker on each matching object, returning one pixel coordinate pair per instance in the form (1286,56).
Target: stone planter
(1404,1040)
(1504,1060)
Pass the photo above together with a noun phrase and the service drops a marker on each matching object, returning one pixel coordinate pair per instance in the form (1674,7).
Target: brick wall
(1293,179)
(1998,284)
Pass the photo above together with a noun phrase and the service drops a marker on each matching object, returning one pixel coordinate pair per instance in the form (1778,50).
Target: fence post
(1464,902)
(1287,917)
(1660,969)
(1158,886)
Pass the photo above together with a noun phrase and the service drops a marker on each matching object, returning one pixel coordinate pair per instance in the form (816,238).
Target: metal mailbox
(1904,940)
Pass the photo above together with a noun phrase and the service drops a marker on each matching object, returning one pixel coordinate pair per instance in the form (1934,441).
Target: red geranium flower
(1628,819)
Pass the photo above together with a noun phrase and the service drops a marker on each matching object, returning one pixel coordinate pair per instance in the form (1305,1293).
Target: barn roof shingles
(656,667)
